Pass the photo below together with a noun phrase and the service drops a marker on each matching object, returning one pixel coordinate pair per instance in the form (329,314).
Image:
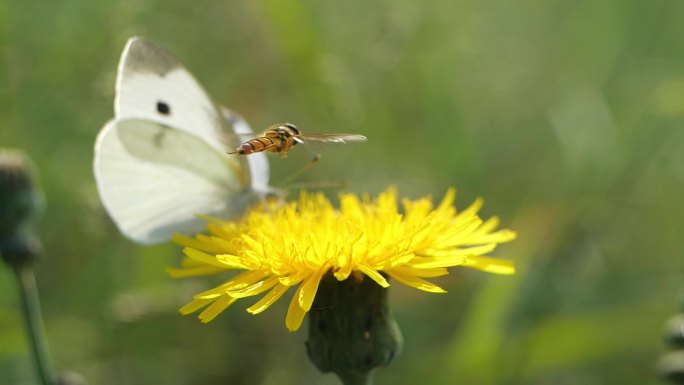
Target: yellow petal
(472,210)
(295,313)
(187,262)
(343,273)
(461,251)
(399,259)
(489,225)
(406,276)
(308,290)
(448,200)
(241,281)
(254,289)
(435,262)
(219,305)
(231,261)
(204,258)
(500,236)
(374,275)
(292,280)
(195,305)
(186,241)
(268,299)
(429,273)
(491,265)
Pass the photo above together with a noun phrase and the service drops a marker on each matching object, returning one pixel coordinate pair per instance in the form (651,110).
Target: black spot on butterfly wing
(163,108)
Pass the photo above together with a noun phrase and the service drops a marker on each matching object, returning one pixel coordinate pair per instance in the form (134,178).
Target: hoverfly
(281,137)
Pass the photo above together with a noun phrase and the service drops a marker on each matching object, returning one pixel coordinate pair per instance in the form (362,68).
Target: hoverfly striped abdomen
(277,138)
(262,143)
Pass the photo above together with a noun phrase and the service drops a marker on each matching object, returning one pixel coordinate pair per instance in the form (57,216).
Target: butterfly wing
(162,160)
(258,162)
(153,85)
(154,180)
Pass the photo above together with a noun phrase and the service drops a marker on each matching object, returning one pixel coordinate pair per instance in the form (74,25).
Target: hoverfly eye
(293,128)
(163,108)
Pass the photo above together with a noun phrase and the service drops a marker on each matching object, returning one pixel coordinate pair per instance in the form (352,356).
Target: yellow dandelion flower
(296,244)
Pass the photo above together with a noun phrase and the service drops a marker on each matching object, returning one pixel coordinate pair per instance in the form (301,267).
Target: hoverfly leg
(306,167)
(318,184)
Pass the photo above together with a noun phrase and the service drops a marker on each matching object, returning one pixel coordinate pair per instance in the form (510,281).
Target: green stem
(355,378)
(34,324)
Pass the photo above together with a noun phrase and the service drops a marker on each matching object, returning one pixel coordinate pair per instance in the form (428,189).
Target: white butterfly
(162,160)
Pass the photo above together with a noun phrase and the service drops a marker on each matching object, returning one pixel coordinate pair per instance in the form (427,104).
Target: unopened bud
(674,331)
(671,367)
(20,200)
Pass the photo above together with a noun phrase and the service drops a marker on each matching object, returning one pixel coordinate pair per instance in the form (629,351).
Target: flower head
(295,244)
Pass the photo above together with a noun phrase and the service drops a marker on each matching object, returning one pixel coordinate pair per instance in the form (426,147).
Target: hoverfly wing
(317,143)
(332,138)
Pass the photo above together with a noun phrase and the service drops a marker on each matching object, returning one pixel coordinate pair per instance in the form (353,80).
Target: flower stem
(34,324)
(355,378)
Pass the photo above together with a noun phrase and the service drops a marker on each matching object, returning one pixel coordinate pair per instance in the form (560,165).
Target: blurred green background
(566,116)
